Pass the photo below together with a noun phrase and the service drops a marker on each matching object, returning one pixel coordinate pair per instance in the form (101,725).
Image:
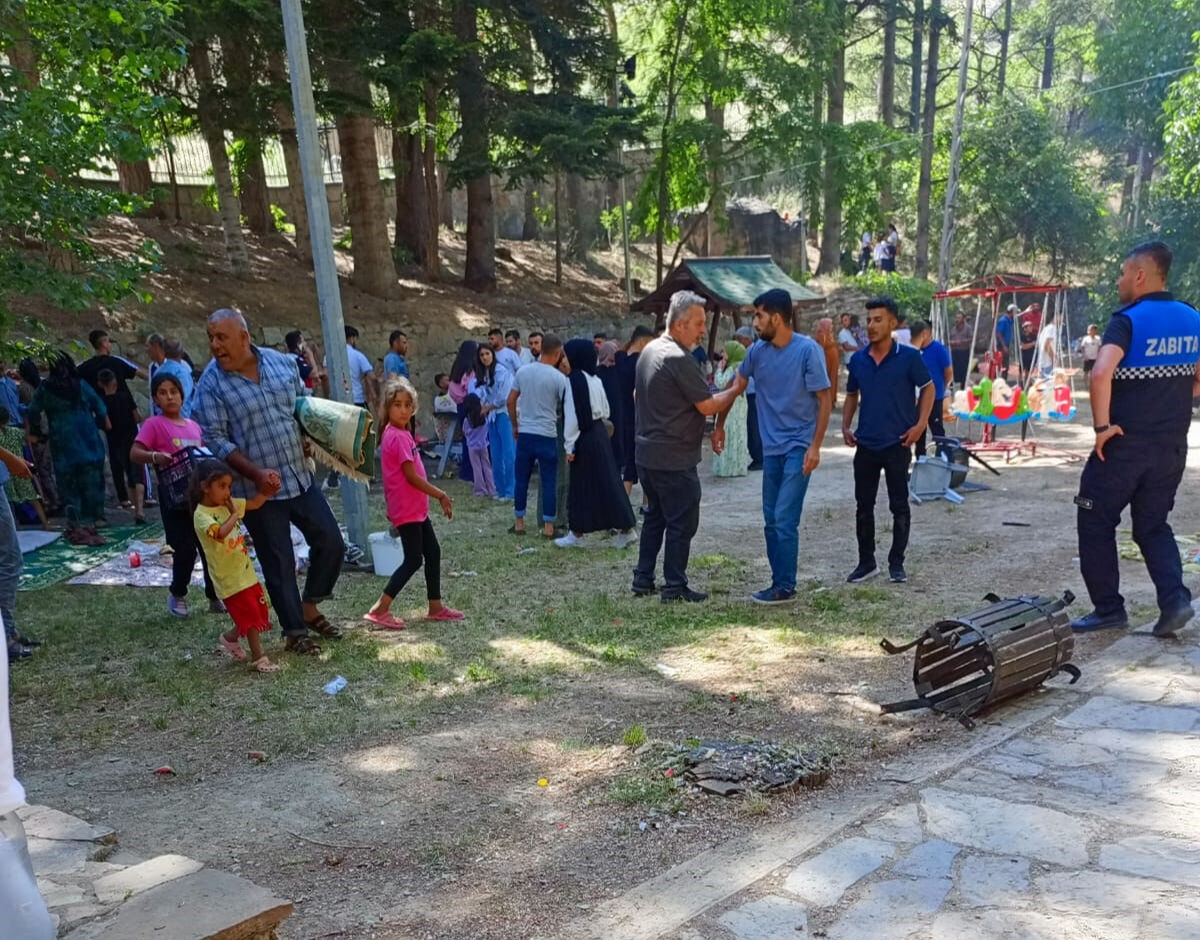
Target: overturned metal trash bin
(971,663)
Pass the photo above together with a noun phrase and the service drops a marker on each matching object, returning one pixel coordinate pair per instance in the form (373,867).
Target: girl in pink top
(406,492)
(159,440)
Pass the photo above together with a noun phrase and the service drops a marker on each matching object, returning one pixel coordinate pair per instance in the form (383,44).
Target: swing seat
(993,419)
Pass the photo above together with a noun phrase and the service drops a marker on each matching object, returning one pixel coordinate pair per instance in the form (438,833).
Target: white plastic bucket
(386,552)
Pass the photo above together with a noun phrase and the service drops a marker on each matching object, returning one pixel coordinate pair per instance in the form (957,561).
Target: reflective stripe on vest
(1165,341)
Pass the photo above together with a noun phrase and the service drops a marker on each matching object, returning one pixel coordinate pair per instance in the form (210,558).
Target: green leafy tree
(73,98)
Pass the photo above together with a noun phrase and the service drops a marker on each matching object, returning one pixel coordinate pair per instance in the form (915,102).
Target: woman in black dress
(596,501)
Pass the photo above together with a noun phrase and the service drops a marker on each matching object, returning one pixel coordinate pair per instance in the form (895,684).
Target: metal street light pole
(333,327)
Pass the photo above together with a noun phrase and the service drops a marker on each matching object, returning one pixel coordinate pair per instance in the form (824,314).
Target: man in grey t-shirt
(673,401)
(537,394)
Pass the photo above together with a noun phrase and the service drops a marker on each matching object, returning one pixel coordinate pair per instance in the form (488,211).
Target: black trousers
(937,427)
(181,536)
(868,464)
(961,360)
(1143,475)
(420,546)
(124,472)
(672,518)
(753,438)
(270,527)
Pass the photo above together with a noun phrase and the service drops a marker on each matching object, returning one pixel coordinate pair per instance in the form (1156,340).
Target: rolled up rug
(338,435)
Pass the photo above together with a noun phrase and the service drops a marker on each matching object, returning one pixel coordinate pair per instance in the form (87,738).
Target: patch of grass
(640,790)
(755,804)
(479,672)
(418,671)
(635,736)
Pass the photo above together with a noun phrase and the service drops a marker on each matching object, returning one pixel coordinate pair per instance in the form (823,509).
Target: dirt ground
(432,823)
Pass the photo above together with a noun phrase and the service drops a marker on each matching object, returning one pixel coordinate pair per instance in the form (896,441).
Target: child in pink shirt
(158,442)
(406,492)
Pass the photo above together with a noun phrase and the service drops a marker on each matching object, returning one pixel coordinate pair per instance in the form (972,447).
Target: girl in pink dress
(406,492)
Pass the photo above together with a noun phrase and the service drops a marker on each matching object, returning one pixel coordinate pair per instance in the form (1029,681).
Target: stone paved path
(1076,815)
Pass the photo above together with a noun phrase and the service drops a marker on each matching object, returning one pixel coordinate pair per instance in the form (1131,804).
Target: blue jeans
(783,487)
(11,566)
(504,453)
(543,450)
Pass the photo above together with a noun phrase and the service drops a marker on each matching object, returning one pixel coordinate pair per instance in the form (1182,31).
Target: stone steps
(96,892)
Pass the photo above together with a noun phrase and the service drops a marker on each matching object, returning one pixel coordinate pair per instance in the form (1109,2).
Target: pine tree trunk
(1005,32)
(209,114)
(925,181)
(429,176)
(832,183)
(714,217)
(663,200)
(558,252)
(252,185)
(135,177)
(445,197)
(887,71)
(1048,61)
(285,123)
(529,223)
(408,164)
(583,220)
(914,95)
(374,269)
(480,269)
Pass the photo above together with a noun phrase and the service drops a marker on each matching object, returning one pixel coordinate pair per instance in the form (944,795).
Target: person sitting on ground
(158,442)
(123,421)
(596,500)
(217,524)
(406,492)
(533,404)
(75,415)
(444,408)
(475,431)
(19,489)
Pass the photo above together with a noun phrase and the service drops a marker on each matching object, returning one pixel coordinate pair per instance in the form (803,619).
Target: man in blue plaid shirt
(245,401)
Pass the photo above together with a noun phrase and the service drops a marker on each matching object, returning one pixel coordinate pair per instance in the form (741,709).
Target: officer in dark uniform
(1142,386)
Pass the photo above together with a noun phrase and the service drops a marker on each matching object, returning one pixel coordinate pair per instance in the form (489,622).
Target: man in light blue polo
(794,399)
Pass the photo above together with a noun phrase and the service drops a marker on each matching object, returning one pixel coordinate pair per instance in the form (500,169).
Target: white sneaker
(624,539)
(570,540)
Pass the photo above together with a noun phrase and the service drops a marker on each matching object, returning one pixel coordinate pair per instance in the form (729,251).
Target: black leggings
(181,536)
(420,545)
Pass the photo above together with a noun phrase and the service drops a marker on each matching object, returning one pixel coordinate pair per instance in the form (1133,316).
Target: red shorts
(249,610)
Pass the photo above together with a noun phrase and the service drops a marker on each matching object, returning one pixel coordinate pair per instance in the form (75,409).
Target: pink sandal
(262,664)
(387,621)
(447,613)
(233,648)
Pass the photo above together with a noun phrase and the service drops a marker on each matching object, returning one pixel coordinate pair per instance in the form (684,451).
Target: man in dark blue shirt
(1142,385)
(887,376)
(937,360)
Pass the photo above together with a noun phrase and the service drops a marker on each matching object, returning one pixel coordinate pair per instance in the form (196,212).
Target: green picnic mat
(61,560)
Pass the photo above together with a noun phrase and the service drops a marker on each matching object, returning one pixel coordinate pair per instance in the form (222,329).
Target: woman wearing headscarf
(75,414)
(462,383)
(596,501)
(38,436)
(735,458)
(606,372)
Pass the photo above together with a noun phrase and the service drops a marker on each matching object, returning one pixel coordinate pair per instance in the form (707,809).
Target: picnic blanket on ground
(339,435)
(33,539)
(61,560)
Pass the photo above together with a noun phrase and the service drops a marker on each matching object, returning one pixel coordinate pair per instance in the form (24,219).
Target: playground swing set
(1047,388)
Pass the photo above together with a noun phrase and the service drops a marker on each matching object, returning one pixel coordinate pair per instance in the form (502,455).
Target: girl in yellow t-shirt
(216,521)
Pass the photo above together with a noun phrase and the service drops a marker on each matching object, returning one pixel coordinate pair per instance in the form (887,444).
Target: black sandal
(302,646)
(322,627)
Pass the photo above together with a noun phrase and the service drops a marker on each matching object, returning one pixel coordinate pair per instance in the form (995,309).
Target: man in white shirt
(504,355)
(1047,348)
(362,386)
(512,339)
(864,256)
(1089,347)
